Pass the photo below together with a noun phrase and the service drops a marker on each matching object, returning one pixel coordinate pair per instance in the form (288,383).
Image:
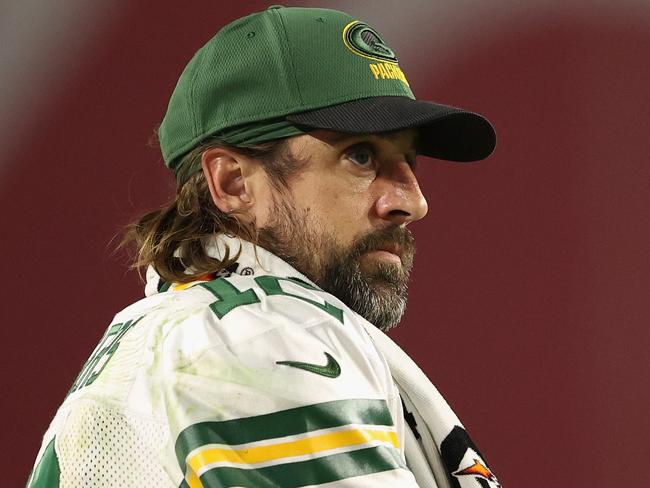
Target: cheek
(344,212)
(341,191)
(263,208)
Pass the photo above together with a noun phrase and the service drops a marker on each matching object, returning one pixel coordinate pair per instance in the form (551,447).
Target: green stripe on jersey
(311,472)
(293,421)
(47,472)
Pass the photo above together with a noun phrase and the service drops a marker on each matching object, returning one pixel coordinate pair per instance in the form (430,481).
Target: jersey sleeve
(281,392)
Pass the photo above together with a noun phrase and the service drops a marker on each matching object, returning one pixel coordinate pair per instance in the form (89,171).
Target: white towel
(444,456)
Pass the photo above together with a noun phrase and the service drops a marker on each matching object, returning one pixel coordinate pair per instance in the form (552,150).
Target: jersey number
(230,297)
(103,352)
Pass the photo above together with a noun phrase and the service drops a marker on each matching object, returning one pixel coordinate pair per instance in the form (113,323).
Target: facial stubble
(375,289)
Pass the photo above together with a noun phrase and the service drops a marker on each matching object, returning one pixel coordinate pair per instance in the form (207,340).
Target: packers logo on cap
(363,40)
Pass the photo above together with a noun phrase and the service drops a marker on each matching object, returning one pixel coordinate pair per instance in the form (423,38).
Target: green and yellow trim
(294,448)
(291,444)
(311,472)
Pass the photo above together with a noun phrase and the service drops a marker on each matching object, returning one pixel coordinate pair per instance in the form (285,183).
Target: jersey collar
(253,260)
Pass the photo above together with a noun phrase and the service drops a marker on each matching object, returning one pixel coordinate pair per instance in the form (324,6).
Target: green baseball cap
(308,68)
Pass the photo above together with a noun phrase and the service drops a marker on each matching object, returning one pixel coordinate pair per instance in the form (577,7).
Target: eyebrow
(339,137)
(343,136)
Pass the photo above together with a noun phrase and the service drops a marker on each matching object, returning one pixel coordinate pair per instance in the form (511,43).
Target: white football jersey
(256,378)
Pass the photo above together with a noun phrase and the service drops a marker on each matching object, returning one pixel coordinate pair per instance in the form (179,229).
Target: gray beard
(379,296)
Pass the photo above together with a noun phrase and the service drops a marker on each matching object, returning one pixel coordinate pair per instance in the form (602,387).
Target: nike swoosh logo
(331,369)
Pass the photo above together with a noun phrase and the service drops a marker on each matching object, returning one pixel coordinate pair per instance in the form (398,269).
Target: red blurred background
(529,303)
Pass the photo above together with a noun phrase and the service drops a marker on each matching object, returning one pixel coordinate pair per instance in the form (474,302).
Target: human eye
(361,155)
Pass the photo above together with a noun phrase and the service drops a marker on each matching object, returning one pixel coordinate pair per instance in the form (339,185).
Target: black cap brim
(447,133)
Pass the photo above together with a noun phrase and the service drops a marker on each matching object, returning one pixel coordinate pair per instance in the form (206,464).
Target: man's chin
(384,275)
(380,268)
(376,291)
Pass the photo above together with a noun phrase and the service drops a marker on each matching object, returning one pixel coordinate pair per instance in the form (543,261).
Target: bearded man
(258,357)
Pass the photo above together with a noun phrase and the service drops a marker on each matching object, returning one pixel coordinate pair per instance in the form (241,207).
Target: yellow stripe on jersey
(184,286)
(308,445)
(193,480)
(299,447)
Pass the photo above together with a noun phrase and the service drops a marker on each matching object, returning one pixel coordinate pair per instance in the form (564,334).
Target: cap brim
(447,133)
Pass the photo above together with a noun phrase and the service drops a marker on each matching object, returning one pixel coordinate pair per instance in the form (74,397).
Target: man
(257,358)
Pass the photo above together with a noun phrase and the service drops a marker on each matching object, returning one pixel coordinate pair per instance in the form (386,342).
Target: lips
(390,252)
(392,248)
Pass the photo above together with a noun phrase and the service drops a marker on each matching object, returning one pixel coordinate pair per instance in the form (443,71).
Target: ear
(225,172)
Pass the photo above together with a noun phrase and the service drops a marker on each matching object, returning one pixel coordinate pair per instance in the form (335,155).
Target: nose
(399,199)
